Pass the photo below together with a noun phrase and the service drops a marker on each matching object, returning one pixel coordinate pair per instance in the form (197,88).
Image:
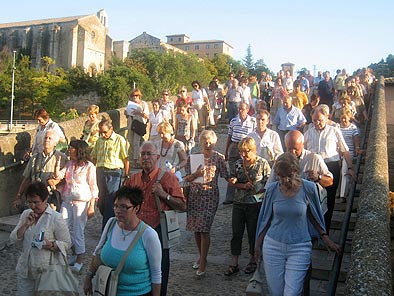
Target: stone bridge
(370,271)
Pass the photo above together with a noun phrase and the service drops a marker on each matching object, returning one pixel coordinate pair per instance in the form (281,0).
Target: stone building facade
(202,48)
(70,41)
(181,43)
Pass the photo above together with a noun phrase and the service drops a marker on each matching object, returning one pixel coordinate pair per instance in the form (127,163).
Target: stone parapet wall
(13,146)
(370,268)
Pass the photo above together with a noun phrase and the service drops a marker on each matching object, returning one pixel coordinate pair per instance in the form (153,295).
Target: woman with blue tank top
(141,274)
(289,218)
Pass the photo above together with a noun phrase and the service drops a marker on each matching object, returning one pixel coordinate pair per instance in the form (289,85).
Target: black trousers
(335,168)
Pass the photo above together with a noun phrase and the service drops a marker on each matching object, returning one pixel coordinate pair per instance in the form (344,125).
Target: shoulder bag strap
(156,197)
(132,245)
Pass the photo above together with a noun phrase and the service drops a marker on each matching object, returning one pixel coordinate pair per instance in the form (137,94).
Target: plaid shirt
(149,212)
(110,153)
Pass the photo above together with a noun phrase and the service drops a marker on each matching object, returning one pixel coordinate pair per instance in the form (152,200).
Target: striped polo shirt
(238,130)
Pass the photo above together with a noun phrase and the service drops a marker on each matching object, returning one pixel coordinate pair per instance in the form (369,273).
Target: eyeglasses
(183,90)
(147,153)
(122,208)
(244,151)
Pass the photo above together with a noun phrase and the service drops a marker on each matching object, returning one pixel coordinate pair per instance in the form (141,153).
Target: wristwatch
(168,197)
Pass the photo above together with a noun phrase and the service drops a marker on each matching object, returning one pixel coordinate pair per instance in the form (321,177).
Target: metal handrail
(336,266)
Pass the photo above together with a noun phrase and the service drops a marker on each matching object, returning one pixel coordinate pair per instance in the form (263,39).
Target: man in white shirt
(267,141)
(328,141)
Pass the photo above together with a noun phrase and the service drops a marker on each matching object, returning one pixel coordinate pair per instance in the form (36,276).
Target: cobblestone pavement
(183,281)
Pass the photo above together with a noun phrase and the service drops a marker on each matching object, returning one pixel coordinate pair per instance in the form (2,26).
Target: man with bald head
(312,165)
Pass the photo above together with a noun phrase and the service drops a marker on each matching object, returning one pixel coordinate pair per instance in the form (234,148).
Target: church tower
(103,17)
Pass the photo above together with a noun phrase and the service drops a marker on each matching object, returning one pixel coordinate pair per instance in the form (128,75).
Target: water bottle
(178,174)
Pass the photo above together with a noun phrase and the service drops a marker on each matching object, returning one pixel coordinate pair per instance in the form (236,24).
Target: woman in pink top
(79,196)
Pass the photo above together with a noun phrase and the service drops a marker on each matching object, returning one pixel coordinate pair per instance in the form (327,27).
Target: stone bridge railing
(370,268)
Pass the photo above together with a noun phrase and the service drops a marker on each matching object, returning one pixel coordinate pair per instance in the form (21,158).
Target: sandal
(250,268)
(231,270)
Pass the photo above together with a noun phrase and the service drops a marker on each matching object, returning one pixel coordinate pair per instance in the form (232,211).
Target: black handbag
(138,127)
(55,200)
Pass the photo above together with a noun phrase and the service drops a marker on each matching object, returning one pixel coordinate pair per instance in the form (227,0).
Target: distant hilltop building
(182,43)
(69,41)
(84,41)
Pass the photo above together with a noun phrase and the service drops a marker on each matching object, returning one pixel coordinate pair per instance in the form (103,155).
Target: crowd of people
(275,195)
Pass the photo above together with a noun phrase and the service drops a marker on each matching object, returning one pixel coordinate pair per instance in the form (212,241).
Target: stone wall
(370,268)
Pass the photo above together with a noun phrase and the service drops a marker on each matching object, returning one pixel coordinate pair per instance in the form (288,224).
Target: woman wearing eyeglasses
(79,196)
(289,218)
(136,109)
(42,232)
(141,273)
(251,174)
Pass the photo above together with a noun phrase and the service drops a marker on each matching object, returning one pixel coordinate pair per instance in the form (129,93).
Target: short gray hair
(146,143)
(323,109)
(56,136)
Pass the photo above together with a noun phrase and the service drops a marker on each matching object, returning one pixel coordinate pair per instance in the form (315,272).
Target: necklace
(126,233)
(161,149)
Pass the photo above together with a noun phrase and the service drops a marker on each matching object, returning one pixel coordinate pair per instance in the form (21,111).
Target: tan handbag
(169,224)
(57,280)
(255,286)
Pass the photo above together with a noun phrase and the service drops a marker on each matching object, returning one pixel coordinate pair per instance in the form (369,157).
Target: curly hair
(82,150)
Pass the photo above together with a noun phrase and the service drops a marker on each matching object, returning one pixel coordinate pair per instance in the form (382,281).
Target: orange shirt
(149,212)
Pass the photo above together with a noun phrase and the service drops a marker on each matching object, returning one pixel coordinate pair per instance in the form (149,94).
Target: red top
(149,212)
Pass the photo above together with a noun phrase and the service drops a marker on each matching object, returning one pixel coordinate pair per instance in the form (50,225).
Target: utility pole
(12,90)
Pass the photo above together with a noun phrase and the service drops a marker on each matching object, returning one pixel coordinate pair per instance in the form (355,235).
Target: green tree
(248,61)
(259,67)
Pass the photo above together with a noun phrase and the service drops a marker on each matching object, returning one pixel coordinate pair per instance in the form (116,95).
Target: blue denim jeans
(108,182)
(286,266)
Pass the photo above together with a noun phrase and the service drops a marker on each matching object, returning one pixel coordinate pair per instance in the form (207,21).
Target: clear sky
(321,35)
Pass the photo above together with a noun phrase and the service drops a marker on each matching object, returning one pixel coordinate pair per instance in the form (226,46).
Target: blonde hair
(136,91)
(165,127)
(247,143)
(93,109)
(208,134)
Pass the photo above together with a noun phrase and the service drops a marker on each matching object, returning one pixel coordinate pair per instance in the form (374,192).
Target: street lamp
(12,90)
